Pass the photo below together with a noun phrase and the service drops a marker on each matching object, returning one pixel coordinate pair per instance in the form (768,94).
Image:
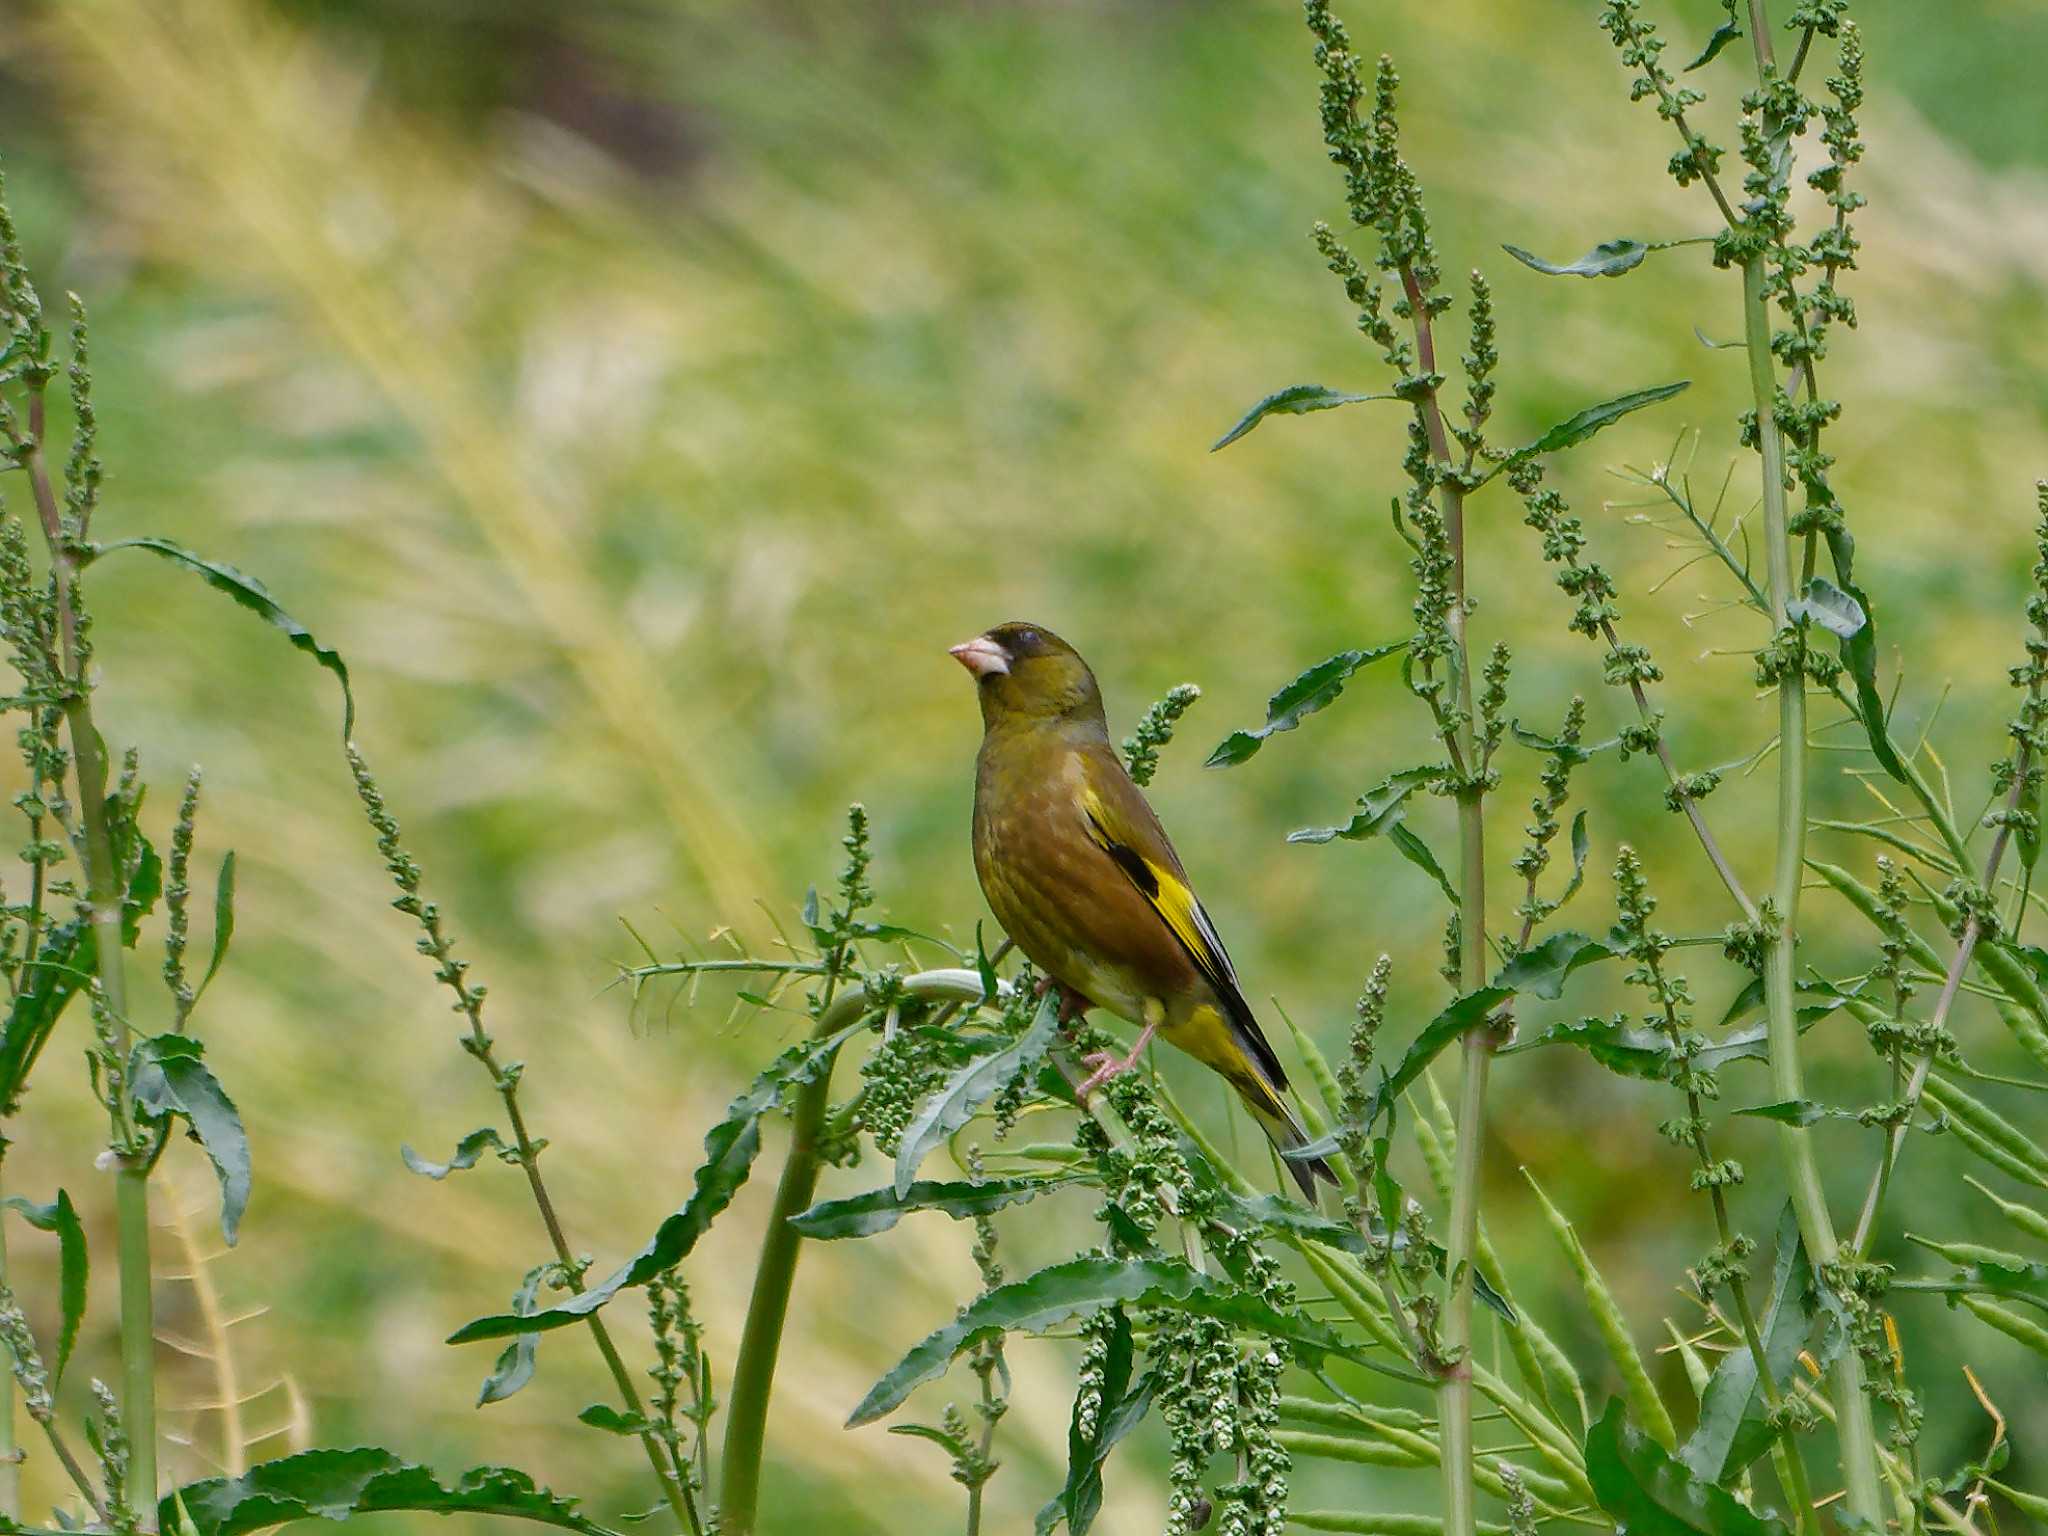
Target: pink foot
(1108,1064)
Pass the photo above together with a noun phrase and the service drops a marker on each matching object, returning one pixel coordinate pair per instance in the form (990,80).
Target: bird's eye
(1027,638)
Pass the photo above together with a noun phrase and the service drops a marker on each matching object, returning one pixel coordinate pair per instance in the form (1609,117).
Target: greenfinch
(1081,876)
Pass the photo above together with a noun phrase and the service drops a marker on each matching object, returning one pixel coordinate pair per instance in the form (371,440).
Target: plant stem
(1966,946)
(1856,1431)
(10,1445)
(1454,1393)
(103,904)
(138,1335)
(753,1371)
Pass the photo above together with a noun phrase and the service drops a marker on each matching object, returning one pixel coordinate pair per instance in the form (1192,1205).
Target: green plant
(1184,1272)
(1253,1332)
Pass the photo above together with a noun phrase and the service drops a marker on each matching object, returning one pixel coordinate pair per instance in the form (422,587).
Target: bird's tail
(1277,1120)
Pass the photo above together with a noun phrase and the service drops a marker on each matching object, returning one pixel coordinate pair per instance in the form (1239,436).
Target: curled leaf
(170,1079)
(254,596)
(1610,258)
(1314,689)
(1294,400)
(468,1152)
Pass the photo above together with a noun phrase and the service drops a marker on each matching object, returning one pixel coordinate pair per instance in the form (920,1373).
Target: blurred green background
(643,394)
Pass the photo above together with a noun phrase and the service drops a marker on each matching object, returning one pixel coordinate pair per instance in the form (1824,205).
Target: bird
(1081,876)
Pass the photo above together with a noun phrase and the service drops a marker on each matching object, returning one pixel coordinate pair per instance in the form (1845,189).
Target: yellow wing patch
(1168,895)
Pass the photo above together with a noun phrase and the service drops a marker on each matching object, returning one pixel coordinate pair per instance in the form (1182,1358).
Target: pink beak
(981,656)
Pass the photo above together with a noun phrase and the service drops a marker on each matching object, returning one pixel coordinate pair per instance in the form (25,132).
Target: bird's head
(1025,672)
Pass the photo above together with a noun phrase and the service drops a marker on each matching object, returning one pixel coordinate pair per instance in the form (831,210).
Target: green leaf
(1990,1272)
(1294,400)
(1122,1408)
(515,1363)
(1315,689)
(1079,1288)
(1574,430)
(63,965)
(1541,971)
(1830,607)
(1412,848)
(877,1210)
(956,1100)
(1634,1051)
(1801,1112)
(950,1443)
(170,1079)
(614,1421)
(1462,1014)
(1573,753)
(1724,34)
(1610,258)
(1859,657)
(335,1484)
(61,1218)
(223,918)
(255,597)
(1732,1430)
(1378,808)
(1649,1492)
(1582,845)
(468,1152)
(729,1151)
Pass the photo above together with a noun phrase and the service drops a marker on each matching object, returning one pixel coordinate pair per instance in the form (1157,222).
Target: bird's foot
(1072,1006)
(1108,1064)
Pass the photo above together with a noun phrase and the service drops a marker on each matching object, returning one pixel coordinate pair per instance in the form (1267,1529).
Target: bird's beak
(981,656)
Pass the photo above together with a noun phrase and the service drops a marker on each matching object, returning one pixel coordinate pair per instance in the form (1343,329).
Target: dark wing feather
(1124,827)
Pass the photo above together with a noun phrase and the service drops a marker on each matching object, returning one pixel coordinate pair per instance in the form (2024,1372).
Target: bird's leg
(1108,1064)
(1072,1006)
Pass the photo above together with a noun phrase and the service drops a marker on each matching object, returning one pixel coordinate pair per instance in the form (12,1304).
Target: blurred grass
(643,397)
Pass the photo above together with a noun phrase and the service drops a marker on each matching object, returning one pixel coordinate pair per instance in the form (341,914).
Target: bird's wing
(1124,827)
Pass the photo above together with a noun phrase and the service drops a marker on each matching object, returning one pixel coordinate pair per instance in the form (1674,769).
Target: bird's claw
(1107,1064)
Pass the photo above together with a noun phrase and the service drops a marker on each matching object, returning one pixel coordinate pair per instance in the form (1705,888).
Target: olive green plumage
(1081,875)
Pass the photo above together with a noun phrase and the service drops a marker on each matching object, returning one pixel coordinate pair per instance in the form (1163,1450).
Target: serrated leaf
(60,1218)
(170,1079)
(1314,689)
(1294,400)
(877,1210)
(956,1100)
(1610,258)
(1378,808)
(1830,607)
(1542,969)
(1649,1492)
(1724,34)
(468,1152)
(335,1484)
(729,1151)
(254,596)
(1079,1288)
(1577,428)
